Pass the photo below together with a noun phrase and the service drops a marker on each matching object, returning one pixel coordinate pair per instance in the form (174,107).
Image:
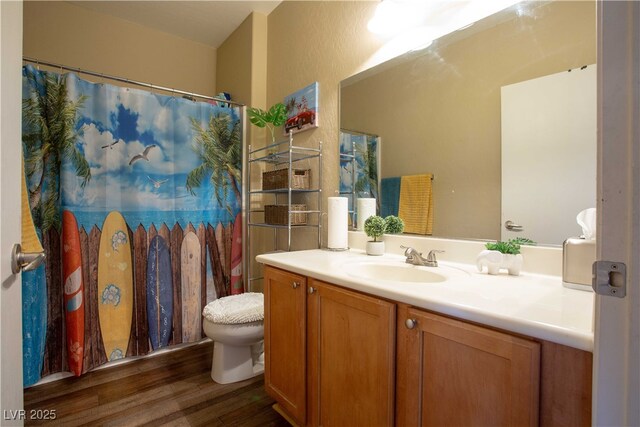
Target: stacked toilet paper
(338,228)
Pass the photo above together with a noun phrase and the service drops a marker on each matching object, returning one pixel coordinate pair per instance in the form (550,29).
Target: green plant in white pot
(393,225)
(503,255)
(374,227)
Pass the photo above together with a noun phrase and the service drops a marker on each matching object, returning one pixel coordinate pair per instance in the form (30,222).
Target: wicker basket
(279,179)
(279,214)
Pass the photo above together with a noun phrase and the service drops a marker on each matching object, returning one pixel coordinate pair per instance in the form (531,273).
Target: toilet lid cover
(234,309)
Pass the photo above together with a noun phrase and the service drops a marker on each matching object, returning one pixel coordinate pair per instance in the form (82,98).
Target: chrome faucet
(414,257)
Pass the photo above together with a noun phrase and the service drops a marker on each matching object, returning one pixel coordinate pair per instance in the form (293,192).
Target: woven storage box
(279,214)
(279,179)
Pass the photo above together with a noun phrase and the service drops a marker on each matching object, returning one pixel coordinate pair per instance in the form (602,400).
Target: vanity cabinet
(350,358)
(285,341)
(329,352)
(455,373)
(337,357)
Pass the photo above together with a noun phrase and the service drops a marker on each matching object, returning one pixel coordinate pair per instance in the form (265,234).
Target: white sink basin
(395,272)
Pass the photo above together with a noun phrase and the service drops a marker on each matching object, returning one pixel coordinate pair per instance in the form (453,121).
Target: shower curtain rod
(128,81)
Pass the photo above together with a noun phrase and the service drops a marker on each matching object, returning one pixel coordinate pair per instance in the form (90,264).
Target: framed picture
(302,109)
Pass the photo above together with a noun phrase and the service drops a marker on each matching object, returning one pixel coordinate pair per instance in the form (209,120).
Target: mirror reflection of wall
(439,110)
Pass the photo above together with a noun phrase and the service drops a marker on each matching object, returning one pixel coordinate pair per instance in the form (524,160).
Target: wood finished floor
(173,389)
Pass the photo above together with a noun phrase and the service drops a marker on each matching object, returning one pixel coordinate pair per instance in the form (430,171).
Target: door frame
(616,369)
(11,394)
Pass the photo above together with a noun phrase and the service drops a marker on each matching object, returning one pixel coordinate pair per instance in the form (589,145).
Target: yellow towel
(416,204)
(30,241)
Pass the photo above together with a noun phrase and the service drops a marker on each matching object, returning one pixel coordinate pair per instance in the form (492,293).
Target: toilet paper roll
(366,208)
(338,228)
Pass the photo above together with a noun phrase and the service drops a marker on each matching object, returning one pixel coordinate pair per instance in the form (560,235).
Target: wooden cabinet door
(285,340)
(351,358)
(452,373)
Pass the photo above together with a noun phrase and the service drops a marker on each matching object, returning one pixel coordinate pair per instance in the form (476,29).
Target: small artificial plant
(276,116)
(393,225)
(511,246)
(374,227)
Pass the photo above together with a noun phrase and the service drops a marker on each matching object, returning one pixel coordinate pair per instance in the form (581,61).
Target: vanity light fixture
(437,17)
(412,25)
(392,17)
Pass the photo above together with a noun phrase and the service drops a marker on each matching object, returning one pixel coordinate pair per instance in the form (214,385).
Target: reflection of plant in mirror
(509,247)
(523,241)
(374,226)
(276,116)
(393,225)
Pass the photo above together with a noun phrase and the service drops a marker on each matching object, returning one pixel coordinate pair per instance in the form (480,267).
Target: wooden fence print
(188,249)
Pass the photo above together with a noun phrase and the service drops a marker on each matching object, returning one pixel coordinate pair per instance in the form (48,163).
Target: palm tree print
(49,138)
(368,180)
(219,148)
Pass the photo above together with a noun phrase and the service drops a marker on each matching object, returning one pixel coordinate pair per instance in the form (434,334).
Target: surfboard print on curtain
(159,293)
(115,286)
(134,195)
(73,292)
(191,292)
(34,298)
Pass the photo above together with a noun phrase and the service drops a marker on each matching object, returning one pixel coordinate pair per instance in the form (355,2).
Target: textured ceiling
(208,22)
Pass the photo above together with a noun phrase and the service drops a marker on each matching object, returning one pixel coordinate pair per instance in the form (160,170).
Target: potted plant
(274,117)
(393,225)
(503,255)
(374,227)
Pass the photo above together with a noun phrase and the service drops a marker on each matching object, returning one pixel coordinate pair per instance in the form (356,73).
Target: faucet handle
(409,251)
(432,254)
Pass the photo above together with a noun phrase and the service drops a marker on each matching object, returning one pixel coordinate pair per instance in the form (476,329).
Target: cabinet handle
(295,285)
(311,289)
(410,323)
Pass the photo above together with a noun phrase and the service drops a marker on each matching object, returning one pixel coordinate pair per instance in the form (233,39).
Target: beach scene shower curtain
(135,198)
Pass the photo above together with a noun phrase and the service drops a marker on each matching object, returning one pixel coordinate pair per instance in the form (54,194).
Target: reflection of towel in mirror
(390,195)
(416,204)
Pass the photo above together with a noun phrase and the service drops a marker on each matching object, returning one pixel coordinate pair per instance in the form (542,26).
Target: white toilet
(236,326)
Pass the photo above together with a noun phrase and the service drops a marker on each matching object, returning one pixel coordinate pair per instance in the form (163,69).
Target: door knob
(410,323)
(311,289)
(25,261)
(512,226)
(295,285)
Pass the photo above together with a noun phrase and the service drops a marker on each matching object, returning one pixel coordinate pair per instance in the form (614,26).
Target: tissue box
(578,255)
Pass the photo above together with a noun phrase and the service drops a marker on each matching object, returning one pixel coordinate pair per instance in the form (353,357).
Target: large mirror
(502,113)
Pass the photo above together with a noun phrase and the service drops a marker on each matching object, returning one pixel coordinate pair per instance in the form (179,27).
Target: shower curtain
(359,165)
(136,199)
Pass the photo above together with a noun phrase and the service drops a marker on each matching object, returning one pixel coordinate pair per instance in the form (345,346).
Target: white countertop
(529,304)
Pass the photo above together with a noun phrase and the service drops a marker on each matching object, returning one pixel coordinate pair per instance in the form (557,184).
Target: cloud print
(119,123)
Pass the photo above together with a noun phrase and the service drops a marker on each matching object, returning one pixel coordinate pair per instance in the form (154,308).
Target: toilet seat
(236,309)
(235,324)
